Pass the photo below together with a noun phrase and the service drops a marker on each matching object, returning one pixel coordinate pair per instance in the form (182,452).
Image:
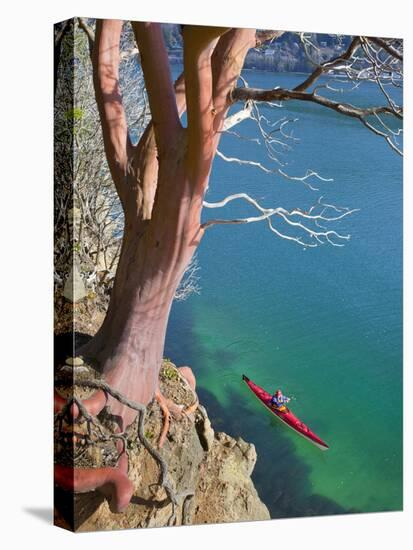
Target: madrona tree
(161,181)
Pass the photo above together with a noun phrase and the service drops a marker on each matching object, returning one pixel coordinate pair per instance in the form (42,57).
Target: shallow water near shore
(324,324)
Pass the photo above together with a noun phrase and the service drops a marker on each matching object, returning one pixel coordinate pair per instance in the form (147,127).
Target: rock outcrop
(225,491)
(209,472)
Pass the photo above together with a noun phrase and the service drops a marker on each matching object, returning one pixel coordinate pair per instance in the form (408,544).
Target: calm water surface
(324,324)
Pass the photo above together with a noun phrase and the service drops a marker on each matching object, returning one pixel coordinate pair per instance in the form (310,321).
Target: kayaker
(278,401)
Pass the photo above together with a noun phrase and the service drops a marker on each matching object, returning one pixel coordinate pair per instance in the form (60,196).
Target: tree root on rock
(169,408)
(166,417)
(188,378)
(192,408)
(163,481)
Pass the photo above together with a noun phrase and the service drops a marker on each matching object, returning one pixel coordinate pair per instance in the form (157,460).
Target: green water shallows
(324,324)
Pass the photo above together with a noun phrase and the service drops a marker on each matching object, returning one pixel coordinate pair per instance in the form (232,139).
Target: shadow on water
(281,478)
(223,356)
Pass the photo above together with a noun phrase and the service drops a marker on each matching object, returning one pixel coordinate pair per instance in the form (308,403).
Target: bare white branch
(189,284)
(303,179)
(296,218)
(238,117)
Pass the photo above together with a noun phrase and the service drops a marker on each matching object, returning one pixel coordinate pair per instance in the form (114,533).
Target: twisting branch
(268,131)
(282,94)
(164,481)
(383,135)
(303,179)
(295,218)
(328,65)
(388,47)
(369,59)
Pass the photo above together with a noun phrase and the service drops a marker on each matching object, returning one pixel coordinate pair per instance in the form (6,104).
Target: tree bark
(129,345)
(161,183)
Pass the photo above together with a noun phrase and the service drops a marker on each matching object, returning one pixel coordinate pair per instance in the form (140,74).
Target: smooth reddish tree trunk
(161,183)
(129,346)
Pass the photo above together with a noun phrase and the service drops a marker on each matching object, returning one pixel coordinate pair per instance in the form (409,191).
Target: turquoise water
(324,324)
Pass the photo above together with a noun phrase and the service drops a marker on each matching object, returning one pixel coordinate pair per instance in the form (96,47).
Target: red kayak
(287,416)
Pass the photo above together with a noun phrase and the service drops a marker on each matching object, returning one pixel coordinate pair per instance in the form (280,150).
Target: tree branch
(310,174)
(227,62)
(199,43)
(156,70)
(144,161)
(237,117)
(109,99)
(291,218)
(327,65)
(388,47)
(281,94)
